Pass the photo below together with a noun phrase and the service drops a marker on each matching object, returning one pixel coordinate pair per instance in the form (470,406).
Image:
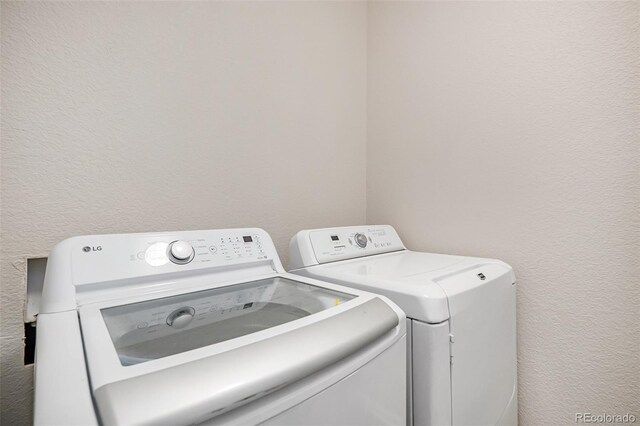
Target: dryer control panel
(331,244)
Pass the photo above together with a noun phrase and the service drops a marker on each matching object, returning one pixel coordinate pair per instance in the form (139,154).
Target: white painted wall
(141,116)
(510,130)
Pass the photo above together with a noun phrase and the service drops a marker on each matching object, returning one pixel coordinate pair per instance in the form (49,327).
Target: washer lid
(158,328)
(187,358)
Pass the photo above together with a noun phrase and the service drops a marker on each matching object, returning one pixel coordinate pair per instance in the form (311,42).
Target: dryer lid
(405,277)
(396,266)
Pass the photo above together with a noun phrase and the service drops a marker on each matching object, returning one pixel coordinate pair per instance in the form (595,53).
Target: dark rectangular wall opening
(29,343)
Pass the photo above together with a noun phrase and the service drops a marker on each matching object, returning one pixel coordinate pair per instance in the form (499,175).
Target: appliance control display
(334,244)
(136,255)
(226,248)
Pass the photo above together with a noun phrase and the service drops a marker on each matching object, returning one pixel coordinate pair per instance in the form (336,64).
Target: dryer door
(483,349)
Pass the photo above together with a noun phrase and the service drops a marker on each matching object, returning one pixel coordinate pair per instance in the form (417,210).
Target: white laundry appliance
(461,318)
(196,327)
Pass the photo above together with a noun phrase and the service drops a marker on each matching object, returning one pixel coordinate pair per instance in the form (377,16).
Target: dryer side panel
(482,302)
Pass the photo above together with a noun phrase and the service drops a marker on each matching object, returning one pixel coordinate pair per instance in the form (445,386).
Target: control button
(180,252)
(142,325)
(361,240)
(181,318)
(213,249)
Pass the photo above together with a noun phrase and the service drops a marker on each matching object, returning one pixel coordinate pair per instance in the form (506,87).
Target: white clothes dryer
(206,327)
(461,314)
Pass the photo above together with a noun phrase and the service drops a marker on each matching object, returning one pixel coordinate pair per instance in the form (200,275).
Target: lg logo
(87,249)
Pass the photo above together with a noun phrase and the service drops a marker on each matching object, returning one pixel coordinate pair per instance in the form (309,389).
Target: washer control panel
(111,257)
(333,244)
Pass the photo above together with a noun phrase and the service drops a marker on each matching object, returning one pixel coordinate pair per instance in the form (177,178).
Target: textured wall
(139,116)
(510,130)
(498,129)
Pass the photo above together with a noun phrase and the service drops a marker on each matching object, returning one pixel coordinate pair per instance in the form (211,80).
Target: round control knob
(361,240)
(180,252)
(181,318)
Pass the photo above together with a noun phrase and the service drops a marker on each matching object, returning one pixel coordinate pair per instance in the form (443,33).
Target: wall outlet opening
(35,280)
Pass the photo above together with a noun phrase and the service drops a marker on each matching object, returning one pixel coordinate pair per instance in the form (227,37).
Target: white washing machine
(195,327)
(461,318)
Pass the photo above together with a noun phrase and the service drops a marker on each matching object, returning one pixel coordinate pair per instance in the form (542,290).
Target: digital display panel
(334,238)
(247,239)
